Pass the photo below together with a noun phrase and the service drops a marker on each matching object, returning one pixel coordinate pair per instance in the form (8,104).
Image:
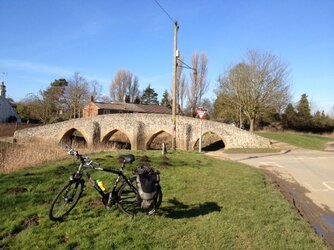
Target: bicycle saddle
(127,158)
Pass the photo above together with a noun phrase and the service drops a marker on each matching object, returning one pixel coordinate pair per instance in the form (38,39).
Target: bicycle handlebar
(85,160)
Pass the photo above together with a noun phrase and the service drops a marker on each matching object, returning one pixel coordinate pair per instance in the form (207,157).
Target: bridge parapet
(140,130)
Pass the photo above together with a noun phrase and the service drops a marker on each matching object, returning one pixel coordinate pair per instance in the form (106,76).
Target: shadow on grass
(179,210)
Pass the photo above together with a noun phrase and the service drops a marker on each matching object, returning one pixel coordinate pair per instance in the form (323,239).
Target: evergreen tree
(165,101)
(303,108)
(304,117)
(149,96)
(289,117)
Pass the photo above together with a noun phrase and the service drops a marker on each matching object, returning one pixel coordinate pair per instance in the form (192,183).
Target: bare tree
(258,83)
(95,89)
(105,98)
(133,89)
(37,108)
(123,84)
(199,83)
(77,93)
(181,88)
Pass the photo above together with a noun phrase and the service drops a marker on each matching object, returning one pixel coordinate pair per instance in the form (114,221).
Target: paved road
(313,170)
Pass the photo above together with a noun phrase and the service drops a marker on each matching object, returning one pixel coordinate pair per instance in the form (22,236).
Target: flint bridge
(140,130)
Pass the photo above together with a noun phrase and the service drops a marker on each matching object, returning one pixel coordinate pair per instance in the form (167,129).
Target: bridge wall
(140,128)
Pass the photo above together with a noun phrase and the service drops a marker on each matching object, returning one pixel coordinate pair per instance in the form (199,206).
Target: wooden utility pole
(176,28)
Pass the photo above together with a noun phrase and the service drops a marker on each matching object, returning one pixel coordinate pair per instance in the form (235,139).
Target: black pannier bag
(147,184)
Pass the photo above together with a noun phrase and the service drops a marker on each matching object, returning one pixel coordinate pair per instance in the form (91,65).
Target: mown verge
(307,141)
(207,204)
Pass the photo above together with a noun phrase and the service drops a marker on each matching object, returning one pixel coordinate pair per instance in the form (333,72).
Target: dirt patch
(281,145)
(96,203)
(165,163)
(33,220)
(30,221)
(51,190)
(321,219)
(63,239)
(144,159)
(16,190)
(329,146)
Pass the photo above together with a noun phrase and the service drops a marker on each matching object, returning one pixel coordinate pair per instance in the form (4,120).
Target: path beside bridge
(306,178)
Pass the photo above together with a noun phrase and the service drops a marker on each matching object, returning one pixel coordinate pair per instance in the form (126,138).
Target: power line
(184,65)
(162,8)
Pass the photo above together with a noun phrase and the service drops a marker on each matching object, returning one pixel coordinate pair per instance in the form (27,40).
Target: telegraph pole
(176,28)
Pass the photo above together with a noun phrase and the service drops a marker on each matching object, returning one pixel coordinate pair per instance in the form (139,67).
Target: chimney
(92,98)
(3,90)
(126,99)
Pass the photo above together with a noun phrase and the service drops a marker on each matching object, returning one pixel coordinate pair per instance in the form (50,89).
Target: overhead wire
(165,11)
(185,65)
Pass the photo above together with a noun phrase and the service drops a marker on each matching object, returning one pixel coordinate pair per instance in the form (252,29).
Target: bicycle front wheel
(66,200)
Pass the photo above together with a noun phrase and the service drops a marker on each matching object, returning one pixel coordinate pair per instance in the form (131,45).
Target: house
(7,109)
(101,108)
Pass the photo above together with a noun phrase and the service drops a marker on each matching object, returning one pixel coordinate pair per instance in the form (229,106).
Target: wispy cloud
(19,65)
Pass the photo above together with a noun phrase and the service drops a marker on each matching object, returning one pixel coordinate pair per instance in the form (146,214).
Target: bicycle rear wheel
(129,202)
(66,200)
(127,198)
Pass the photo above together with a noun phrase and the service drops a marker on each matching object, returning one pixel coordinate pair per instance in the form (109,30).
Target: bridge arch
(156,140)
(211,141)
(74,136)
(117,138)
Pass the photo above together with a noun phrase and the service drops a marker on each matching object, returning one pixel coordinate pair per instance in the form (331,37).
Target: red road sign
(201,112)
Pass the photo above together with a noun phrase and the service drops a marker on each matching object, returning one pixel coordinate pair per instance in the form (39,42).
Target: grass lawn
(207,204)
(300,140)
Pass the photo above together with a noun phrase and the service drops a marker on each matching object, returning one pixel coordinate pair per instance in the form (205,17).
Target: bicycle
(124,192)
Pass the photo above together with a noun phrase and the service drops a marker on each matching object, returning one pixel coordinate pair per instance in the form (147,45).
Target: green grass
(300,140)
(207,204)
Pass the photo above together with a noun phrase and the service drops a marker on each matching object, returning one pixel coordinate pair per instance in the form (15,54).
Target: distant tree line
(300,118)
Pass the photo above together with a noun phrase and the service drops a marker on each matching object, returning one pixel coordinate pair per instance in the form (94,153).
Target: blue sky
(44,40)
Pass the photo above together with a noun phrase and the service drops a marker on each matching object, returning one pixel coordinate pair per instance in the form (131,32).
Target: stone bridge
(141,130)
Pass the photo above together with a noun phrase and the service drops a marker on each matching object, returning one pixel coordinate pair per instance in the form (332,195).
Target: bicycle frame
(108,198)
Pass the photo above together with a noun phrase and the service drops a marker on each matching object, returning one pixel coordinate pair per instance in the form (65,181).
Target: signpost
(201,113)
